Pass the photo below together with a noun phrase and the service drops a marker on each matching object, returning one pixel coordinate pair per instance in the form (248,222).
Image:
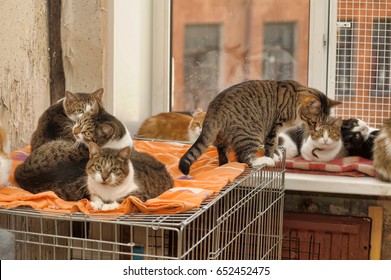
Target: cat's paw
(277,157)
(110,206)
(268,161)
(97,205)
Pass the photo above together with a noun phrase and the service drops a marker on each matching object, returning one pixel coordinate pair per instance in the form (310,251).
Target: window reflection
(218,43)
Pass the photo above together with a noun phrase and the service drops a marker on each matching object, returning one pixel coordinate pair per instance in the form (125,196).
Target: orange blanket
(207,178)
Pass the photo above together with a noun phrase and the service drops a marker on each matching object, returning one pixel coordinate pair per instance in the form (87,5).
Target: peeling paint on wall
(83,42)
(24,60)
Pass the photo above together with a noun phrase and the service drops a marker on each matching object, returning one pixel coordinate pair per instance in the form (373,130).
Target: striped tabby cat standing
(251,114)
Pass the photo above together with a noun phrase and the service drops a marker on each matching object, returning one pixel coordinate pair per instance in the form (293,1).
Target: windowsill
(336,184)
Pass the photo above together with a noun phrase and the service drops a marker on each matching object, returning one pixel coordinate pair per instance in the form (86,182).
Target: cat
(358,138)
(114,174)
(57,121)
(292,140)
(5,160)
(102,128)
(324,143)
(251,113)
(382,152)
(173,126)
(59,165)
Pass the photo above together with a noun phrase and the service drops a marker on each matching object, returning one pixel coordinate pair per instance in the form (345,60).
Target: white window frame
(139,75)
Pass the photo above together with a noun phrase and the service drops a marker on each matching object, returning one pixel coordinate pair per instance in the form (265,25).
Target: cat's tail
(206,138)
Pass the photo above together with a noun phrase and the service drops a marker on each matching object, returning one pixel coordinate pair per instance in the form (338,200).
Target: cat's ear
(125,153)
(98,94)
(70,97)
(332,103)
(107,129)
(197,111)
(94,149)
(338,122)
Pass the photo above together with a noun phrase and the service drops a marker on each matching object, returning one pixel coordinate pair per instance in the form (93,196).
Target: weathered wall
(24,66)
(24,58)
(83,36)
(334,204)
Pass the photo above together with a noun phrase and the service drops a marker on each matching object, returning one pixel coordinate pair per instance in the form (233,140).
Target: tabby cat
(103,129)
(57,121)
(292,140)
(250,114)
(324,143)
(114,174)
(382,153)
(5,160)
(59,165)
(358,138)
(173,126)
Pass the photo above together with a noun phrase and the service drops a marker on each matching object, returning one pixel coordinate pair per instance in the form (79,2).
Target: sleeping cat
(358,138)
(103,129)
(173,126)
(324,143)
(382,153)
(114,174)
(59,165)
(5,160)
(57,121)
(250,114)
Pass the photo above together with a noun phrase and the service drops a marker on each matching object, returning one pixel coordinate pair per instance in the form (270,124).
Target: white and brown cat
(5,160)
(115,174)
(323,143)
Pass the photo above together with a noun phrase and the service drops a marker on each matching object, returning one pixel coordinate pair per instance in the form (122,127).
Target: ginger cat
(173,126)
(5,160)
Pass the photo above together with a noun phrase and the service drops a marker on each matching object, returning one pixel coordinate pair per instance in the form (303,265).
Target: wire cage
(243,221)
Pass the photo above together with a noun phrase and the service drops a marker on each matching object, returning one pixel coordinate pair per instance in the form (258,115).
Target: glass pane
(363,60)
(218,43)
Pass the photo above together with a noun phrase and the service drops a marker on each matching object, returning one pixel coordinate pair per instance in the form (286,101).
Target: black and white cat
(358,138)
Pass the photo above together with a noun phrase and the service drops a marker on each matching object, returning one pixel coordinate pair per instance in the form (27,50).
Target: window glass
(218,43)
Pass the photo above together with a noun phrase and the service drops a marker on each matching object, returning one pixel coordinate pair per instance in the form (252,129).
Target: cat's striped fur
(382,152)
(57,120)
(250,114)
(59,165)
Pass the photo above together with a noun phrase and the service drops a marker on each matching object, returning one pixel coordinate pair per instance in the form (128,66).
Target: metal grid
(243,221)
(363,59)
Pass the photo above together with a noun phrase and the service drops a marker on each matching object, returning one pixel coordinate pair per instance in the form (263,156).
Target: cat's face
(354,127)
(108,167)
(327,134)
(87,129)
(196,123)
(78,104)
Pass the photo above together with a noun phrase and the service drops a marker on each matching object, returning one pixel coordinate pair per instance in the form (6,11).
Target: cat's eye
(80,111)
(98,168)
(86,133)
(114,170)
(357,136)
